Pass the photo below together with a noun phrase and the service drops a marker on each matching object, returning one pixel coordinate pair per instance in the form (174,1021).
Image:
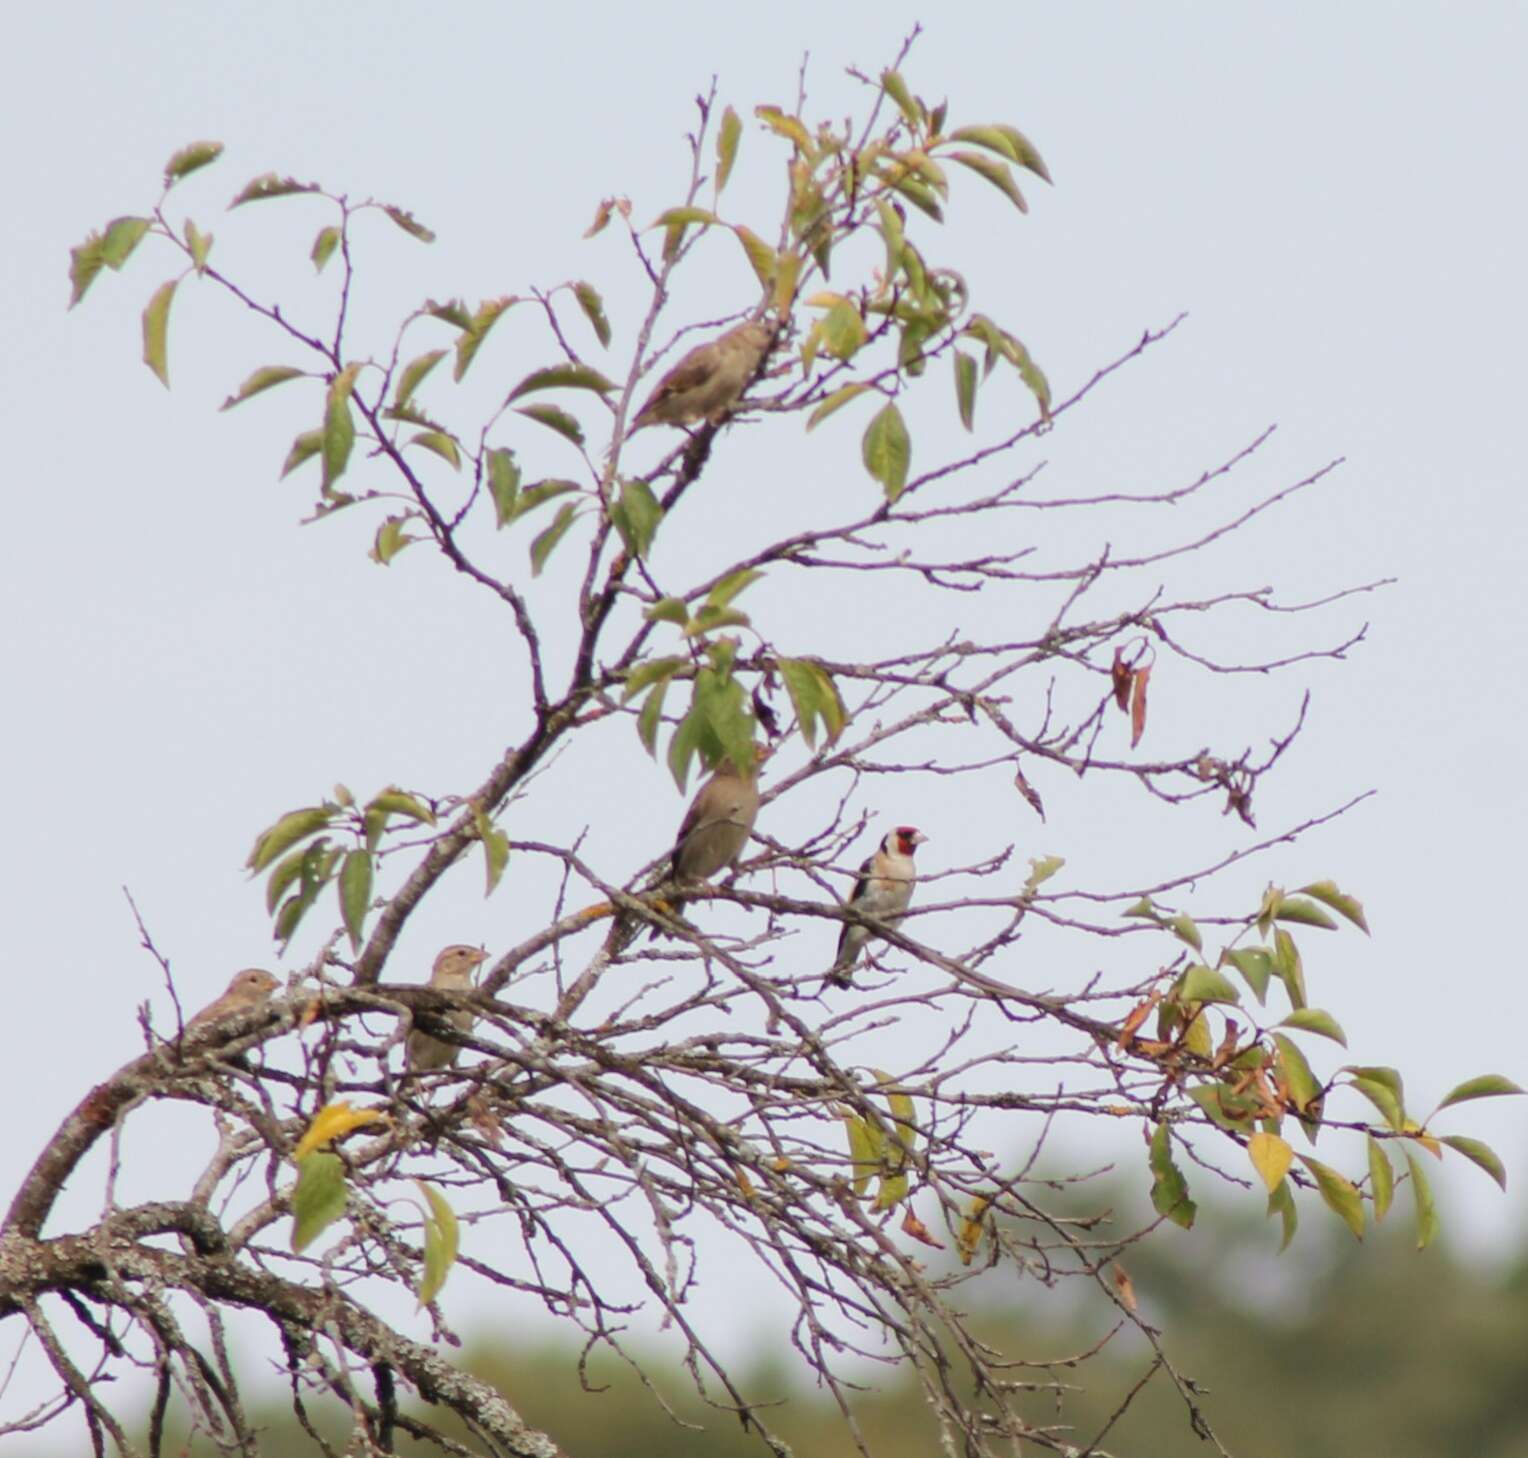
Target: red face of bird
(454,966)
(905,839)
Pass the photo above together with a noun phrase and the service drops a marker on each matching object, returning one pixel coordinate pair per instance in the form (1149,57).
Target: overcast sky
(1333,194)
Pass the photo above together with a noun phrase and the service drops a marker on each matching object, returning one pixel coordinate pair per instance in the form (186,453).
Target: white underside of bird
(883,892)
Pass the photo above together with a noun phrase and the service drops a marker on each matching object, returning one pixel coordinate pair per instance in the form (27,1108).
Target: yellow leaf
(971,1230)
(1422,1137)
(332,1121)
(1271,1158)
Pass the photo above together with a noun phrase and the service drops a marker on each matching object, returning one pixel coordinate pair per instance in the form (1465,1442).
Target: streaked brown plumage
(452,972)
(248,989)
(710,378)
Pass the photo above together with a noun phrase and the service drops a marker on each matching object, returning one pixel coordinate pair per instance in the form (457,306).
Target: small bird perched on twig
(246,991)
(710,378)
(452,972)
(717,824)
(883,891)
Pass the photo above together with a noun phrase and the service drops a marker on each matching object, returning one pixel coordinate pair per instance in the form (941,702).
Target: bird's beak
(919,837)
(479,957)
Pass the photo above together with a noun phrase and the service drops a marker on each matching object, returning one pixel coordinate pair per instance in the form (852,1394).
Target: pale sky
(1332,194)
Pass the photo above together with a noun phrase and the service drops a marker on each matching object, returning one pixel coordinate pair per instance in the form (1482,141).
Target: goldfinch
(883,891)
(452,972)
(710,378)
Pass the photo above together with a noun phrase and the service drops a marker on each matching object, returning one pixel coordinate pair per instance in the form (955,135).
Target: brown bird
(248,990)
(452,972)
(717,825)
(710,378)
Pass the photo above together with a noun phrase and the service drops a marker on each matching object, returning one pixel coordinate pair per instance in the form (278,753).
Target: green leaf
(1304,1087)
(1225,1109)
(355,893)
(1487,1086)
(1348,906)
(324,244)
(564,377)
(555,419)
(1339,1192)
(1384,1099)
(475,329)
(594,310)
(1203,984)
(544,545)
(651,716)
(268,185)
(200,244)
(1282,1202)
(1008,142)
(815,698)
(122,236)
(843,331)
(887,450)
(264,378)
(1271,1157)
(636,516)
(294,826)
(728,135)
(668,610)
(683,217)
(495,848)
(896,88)
(892,234)
(1182,926)
(1479,1153)
(156,324)
(189,159)
(339,425)
(503,484)
(1255,966)
(1381,1178)
(965,387)
(996,173)
(442,444)
(1307,913)
(866,1145)
(304,448)
(1143,909)
(391,539)
(397,802)
(683,744)
(314,873)
(731,586)
(787,272)
(835,401)
(786,126)
(1169,1190)
(543,491)
(442,1242)
(409,223)
(280,880)
(318,1199)
(1290,970)
(1041,869)
(85,262)
(644,675)
(761,257)
(1314,1020)
(413,375)
(1421,1193)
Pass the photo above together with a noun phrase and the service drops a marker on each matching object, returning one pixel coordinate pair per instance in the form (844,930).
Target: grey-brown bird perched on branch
(710,378)
(718,823)
(452,972)
(247,990)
